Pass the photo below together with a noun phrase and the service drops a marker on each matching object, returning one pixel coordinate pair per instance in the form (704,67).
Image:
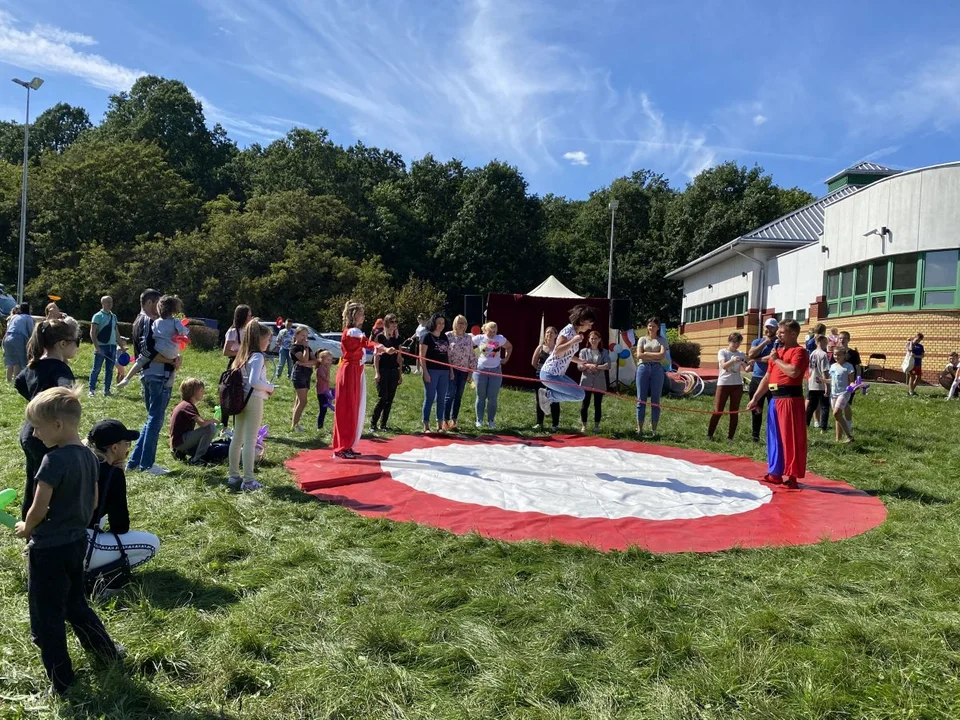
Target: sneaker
(234,481)
(543,400)
(583,429)
(491,425)
(249,485)
(298,428)
(538,426)
(555,428)
(91,394)
(792,484)
(107,393)
(478,424)
(596,428)
(351,453)
(158,470)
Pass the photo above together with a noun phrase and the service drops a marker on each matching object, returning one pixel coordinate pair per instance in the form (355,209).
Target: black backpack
(233,397)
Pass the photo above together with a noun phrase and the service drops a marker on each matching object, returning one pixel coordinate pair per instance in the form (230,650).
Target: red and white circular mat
(607,494)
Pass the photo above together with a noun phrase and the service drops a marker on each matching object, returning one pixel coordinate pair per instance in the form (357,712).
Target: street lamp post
(614,204)
(32,85)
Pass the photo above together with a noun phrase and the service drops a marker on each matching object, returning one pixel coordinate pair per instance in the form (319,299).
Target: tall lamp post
(32,85)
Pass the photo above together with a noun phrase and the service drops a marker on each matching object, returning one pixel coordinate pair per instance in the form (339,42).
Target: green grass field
(274,605)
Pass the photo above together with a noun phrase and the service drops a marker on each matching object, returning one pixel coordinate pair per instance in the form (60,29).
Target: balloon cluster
(182,340)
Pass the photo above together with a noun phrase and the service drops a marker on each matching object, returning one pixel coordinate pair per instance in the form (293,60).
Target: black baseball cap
(109,432)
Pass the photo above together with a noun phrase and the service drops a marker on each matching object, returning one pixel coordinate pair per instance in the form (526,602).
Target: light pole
(614,204)
(32,85)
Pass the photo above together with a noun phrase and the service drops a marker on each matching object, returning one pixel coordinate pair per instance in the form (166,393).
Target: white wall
(795,279)
(727,280)
(921,208)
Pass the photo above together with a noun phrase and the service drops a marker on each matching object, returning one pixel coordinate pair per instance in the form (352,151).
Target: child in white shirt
(841,375)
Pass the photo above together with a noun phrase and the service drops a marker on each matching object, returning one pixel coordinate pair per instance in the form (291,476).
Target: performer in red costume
(351,388)
(786,419)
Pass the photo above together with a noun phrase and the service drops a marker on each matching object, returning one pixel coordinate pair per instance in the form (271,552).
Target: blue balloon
(624,354)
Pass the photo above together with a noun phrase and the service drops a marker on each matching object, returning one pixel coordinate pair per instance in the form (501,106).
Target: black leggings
(757,416)
(597,404)
(386,391)
(818,399)
(554,412)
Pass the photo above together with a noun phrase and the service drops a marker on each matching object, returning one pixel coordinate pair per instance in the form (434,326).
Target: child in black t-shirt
(64,500)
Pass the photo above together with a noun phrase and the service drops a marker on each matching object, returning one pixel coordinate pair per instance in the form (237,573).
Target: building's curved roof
(803,225)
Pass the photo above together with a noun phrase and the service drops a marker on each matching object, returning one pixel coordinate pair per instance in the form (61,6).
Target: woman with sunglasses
(52,344)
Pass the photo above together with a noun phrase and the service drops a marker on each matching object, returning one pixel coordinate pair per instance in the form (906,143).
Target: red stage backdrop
(518,319)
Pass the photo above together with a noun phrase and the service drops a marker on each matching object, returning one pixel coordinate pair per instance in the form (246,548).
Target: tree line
(153,196)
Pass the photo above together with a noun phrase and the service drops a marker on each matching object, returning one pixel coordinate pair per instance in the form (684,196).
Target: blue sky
(573,93)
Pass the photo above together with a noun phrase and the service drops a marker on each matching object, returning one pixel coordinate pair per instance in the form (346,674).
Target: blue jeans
(560,388)
(649,385)
(107,356)
(488,390)
(436,389)
(156,396)
(451,405)
(285,360)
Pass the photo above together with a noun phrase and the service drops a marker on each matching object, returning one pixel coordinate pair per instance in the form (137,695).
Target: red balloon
(185,322)
(475,330)
(279,322)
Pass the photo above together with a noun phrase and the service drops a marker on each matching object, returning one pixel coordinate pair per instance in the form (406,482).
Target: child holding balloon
(55,527)
(169,335)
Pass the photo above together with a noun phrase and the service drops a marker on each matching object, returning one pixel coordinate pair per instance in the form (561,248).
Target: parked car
(317,341)
(335,337)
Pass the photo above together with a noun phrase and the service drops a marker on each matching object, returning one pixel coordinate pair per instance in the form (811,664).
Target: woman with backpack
(231,341)
(251,364)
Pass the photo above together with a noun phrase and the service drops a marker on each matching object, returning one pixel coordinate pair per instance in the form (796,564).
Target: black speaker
(473,310)
(621,317)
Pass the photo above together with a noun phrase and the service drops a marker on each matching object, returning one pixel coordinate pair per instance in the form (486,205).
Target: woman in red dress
(351,389)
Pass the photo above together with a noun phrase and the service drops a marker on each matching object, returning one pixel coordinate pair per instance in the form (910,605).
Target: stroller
(410,345)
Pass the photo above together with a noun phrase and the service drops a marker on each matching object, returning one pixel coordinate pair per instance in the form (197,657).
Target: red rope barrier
(602,392)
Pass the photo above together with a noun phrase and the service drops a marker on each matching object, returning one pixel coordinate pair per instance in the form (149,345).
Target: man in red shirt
(786,419)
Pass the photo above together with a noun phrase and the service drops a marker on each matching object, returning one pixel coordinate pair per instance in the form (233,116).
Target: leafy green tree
(53,130)
(495,242)
(10,184)
(109,193)
(165,113)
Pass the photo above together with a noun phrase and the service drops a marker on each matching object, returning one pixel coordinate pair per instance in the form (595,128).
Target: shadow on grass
(168,589)
(305,443)
(118,695)
(288,493)
(909,494)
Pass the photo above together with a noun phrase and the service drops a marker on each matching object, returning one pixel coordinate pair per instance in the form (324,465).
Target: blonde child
(254,341)
(55,527)
(841,375)
(833,341)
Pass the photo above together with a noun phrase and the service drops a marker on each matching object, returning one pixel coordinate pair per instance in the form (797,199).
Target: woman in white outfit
(110,441)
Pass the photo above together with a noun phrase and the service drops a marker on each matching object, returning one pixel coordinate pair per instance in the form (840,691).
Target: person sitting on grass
(56,530)
(110,441)
(190,434)
(841,375)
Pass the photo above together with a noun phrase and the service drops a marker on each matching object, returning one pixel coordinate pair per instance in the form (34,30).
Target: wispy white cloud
(892,103)
(48,49)
(58,35)
(576,157)
(880,153)
(759,119)
(236,124)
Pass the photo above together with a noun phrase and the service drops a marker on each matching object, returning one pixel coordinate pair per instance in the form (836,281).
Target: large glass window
(903,282)
(727,307)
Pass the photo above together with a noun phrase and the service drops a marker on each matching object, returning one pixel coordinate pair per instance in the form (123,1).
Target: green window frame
(899,283)
(801,316)
(725,307)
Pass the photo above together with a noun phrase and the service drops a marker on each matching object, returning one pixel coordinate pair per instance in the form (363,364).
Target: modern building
(876,256)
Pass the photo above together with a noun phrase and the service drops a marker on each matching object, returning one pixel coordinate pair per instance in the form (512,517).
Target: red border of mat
(823,509)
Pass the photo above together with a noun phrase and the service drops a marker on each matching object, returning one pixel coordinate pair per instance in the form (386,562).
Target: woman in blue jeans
(649,353)
(557,386)
(434,360)
(461,356)
(488,380)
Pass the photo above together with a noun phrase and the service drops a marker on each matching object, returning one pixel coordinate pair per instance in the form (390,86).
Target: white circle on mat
(582,482)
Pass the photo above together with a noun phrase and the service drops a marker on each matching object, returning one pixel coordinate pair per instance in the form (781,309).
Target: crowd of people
(74,512)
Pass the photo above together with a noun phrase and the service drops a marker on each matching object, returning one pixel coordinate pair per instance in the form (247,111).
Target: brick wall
(885,333)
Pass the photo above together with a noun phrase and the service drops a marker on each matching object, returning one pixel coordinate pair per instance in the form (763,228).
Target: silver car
(317,342)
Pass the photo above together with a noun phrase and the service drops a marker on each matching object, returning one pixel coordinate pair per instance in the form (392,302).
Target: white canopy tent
(553,288)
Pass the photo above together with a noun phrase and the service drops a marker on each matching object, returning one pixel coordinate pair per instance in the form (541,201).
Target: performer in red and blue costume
(786,417)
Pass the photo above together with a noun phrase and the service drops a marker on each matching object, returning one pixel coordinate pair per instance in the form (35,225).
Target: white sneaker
(158,470)
(478,424)
(583,429)
(538,426)
(298,428)
(91,394)
(543,401)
